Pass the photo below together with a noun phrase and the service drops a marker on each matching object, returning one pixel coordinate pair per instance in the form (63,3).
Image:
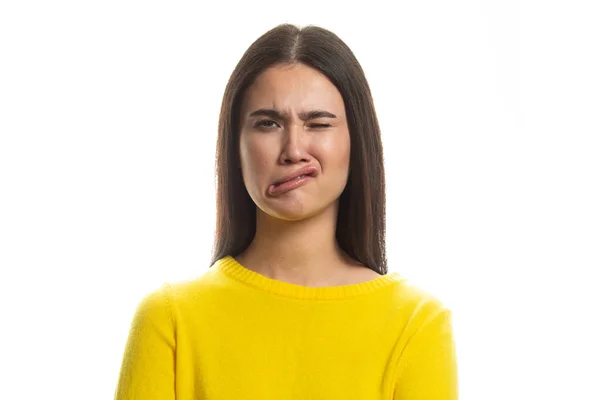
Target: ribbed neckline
(231,267)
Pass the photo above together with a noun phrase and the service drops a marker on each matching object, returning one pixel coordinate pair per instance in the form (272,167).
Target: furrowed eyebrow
(304,115)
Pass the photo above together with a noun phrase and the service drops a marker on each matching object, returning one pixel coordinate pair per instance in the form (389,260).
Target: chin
(295,205)
(293,210)
(290,212)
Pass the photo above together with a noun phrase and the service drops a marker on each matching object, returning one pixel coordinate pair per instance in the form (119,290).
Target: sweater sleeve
(427,366)
(148,365)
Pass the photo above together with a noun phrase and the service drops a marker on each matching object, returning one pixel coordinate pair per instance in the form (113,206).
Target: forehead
(289,87)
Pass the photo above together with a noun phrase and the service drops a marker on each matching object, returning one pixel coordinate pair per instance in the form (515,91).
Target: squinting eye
(265,123)
(262,123)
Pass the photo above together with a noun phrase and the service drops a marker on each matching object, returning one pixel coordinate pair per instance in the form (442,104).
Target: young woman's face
(277,143)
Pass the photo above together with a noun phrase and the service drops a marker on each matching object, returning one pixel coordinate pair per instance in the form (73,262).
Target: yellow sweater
(234,334)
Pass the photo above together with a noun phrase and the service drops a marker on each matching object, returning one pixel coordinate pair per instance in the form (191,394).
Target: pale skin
(295,231)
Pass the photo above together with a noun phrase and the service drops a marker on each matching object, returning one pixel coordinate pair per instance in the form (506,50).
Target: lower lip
(289,185)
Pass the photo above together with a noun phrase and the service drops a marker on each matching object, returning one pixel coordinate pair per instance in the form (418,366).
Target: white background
(490,119)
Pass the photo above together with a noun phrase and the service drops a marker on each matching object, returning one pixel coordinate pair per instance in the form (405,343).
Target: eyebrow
(304,115)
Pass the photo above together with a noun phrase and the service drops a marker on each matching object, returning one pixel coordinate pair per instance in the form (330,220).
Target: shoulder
(162,306)
(205,287)
(417,305)
(425,352)
(152,319)
(154,306)
(204,282)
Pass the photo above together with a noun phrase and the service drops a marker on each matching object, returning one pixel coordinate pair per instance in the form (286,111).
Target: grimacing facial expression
(280,134)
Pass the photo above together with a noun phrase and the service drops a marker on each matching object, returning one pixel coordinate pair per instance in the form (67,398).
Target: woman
(298,303)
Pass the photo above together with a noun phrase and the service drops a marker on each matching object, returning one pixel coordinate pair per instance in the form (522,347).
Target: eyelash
(260,124)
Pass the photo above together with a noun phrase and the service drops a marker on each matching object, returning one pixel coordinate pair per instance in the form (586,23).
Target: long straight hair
(360,230)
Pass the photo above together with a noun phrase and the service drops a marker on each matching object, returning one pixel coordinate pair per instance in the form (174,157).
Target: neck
(303,252)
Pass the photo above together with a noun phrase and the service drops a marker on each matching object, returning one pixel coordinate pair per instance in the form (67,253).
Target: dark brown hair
(360,228)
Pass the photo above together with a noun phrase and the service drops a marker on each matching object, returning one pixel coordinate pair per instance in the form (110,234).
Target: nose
(294,147)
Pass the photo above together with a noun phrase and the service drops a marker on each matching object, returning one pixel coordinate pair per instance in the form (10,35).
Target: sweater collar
(232,268)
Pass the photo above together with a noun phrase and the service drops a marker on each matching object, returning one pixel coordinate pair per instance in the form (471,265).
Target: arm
(427,366)
(148,366)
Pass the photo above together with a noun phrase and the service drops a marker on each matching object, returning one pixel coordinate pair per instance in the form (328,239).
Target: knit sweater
(234,334)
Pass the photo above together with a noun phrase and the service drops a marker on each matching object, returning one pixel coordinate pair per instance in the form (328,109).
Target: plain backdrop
(489,113)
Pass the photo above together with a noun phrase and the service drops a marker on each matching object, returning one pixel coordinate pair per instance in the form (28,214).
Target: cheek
(335,150)
(254,156)
(247,151)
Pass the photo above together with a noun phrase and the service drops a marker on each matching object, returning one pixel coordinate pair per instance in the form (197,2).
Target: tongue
(298,177)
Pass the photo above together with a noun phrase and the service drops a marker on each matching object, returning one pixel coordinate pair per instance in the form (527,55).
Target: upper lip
(310,170)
